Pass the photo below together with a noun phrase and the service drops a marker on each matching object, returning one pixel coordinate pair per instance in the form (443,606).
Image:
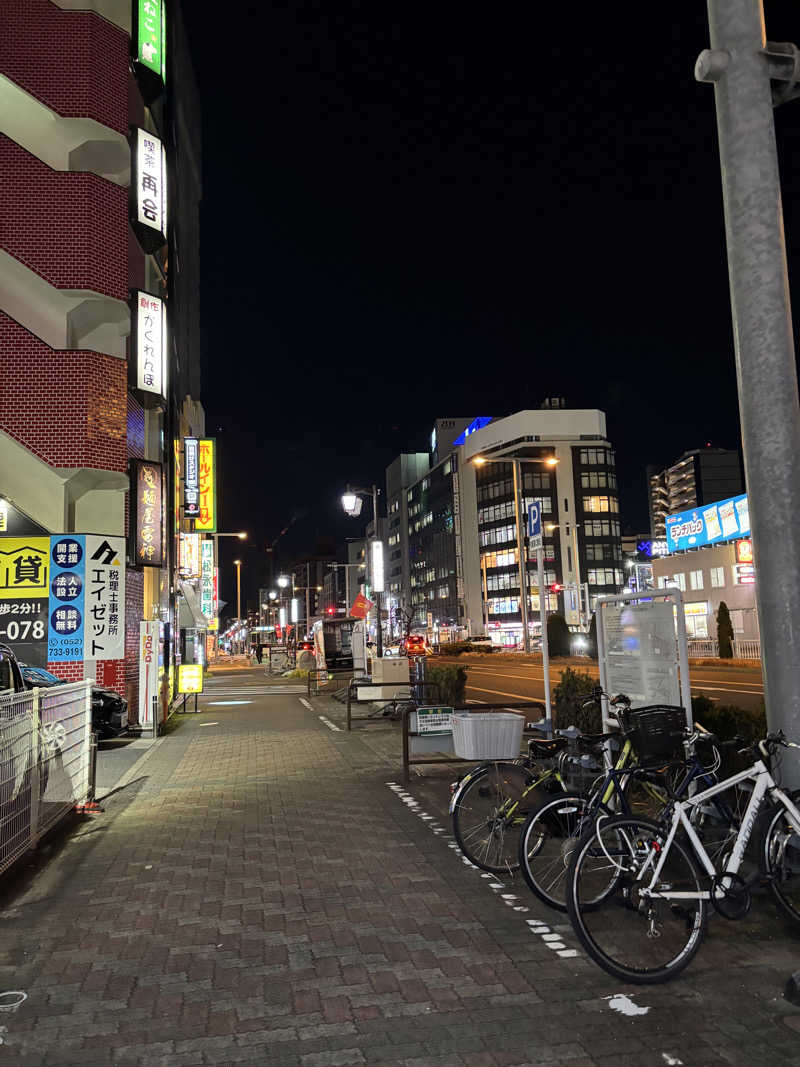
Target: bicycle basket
(656,732)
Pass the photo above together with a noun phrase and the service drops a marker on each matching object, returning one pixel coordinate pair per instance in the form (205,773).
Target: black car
(109,709)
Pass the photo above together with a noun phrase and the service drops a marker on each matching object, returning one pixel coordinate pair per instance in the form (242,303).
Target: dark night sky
(418,211)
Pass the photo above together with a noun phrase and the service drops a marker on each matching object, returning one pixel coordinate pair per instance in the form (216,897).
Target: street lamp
(352,505)
(238,564)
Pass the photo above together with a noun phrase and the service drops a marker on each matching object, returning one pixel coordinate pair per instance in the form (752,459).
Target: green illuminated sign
(151,37)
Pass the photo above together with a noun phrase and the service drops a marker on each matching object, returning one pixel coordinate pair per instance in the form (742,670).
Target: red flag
(361,607)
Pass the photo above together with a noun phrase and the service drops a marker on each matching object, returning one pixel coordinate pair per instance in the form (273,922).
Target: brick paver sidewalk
(265,891)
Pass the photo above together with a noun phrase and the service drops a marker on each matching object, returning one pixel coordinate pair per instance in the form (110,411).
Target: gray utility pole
(742,68)
(523,562)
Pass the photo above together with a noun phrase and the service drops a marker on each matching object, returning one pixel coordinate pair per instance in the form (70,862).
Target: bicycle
(490,803)
(638,900)
(551,830)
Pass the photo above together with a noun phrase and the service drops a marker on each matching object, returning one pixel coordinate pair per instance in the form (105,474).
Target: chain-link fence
(45,759)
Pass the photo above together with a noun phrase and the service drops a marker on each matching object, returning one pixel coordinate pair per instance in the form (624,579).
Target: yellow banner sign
(207,478)
(24,567)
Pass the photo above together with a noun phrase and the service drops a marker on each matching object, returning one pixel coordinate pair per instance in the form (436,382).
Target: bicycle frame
(764,783)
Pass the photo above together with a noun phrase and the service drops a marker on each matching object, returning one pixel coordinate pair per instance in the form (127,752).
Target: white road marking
(329,724)
(624,1005)
(672,1061)
(305,703)
(536,926)
(208,724)
(226,703)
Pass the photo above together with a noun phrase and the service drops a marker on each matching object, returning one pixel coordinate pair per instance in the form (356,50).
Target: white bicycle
(638,897)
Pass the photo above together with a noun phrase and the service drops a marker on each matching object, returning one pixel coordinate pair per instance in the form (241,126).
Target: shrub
(558,635)
(452,683)
(568,696)
(455,648)
(727,721)
(724,631)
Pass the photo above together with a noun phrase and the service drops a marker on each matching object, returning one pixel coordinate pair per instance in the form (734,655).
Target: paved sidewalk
(265,891)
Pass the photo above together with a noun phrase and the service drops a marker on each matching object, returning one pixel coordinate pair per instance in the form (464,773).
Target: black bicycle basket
(656,732)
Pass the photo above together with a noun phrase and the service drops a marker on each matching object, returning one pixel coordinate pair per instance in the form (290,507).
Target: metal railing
(700,648)
(535,724)
(45,762)
(328,682)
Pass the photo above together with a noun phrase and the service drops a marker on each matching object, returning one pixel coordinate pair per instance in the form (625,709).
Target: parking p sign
(535,525)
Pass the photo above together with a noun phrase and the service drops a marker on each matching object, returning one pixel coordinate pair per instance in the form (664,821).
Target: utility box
(390,669)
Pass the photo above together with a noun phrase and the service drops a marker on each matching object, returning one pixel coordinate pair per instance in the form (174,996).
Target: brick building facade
(69,259)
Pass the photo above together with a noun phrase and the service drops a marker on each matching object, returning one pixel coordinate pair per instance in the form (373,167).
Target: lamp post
(352,506)
(238,564)
(549,461)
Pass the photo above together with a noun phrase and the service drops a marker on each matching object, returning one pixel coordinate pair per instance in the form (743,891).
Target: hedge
(452,682)
(455,648)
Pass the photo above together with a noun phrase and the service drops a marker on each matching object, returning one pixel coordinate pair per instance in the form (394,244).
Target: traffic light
(331,611)
(556,588)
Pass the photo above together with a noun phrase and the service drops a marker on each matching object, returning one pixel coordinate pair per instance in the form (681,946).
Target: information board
(641,652)
(190,678)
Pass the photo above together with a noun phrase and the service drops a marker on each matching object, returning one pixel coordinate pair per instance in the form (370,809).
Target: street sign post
(536,541)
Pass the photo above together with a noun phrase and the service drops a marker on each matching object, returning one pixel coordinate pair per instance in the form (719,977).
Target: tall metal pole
(523,565)
(762,330)
(379,634)
(543,624)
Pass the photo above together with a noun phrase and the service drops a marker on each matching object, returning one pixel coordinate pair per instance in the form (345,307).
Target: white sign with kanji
(150,344)
(434,721)
(151,182)
(104,598)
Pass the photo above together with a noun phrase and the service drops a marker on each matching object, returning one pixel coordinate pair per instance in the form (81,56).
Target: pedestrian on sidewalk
(259,653)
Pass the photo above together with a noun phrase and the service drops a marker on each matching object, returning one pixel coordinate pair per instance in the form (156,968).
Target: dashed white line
(305,703)
(329,724)
(536,926)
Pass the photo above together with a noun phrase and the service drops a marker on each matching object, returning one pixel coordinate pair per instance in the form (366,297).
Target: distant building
(458,521)
(698,477)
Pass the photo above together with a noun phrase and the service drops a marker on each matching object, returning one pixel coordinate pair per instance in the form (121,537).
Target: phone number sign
(23,625)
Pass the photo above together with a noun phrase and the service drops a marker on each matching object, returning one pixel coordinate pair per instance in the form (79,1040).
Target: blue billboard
(709,524)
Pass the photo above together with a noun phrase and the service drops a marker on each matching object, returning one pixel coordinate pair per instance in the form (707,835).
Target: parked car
(109,709)
(305,646)
(480,643)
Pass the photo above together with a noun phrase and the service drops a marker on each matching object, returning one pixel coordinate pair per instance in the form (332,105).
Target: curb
(133,770)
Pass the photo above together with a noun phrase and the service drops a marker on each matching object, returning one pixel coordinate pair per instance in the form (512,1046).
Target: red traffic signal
(556,588)
(331,611)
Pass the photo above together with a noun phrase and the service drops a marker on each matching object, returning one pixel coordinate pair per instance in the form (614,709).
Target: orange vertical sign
(207,477)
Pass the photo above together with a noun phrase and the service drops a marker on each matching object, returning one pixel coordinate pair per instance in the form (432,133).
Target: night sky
(417,211)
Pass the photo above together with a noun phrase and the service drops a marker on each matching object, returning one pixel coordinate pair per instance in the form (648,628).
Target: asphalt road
(497,677)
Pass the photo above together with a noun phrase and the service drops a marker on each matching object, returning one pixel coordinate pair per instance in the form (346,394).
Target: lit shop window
(600,503)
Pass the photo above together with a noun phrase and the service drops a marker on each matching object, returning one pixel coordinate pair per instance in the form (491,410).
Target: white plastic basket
(482,735)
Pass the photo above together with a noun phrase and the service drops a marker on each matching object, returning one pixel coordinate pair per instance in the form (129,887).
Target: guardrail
(328,681)
(416,696)
(700,648)
(45,762)
(531,726)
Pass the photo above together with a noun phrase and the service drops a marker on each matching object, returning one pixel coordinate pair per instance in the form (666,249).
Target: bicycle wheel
(634,937)
(548,836)
(780,859)
(489,812)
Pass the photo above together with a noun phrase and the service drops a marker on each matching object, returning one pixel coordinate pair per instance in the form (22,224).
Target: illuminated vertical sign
(377,566)
(148,46)
(207,476)
(147,513)
(149,344)
(191,478)
(189,556)
(148,191)
(207,578)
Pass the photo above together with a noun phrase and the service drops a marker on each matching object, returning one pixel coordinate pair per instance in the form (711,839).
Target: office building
(699,477)
(98,317)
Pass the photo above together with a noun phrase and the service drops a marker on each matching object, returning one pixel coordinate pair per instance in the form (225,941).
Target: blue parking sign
(535,519)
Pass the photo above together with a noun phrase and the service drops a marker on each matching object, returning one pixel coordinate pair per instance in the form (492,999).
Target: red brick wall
(70,228)
(69,408)
(73,61)
(70,672)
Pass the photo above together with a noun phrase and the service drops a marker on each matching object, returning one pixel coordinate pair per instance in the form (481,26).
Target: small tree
(568,699)
(558,636)
(593,637)
(724,631)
